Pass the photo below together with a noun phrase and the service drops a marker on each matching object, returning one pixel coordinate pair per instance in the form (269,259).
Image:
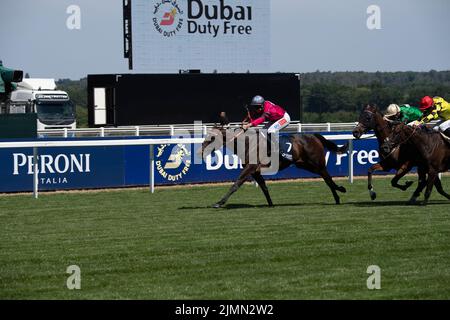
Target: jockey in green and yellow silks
(436,109)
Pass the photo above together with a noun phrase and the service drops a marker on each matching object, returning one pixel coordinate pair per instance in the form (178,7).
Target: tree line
(331,96)
(339,96)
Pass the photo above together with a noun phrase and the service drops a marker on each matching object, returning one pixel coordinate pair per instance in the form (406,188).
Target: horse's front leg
(245,173)
(404,169)
(375,167)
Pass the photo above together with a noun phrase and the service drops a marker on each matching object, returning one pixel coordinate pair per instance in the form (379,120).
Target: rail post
(137,131)
(350,160)
(299,129)
(152,169)
(35,173)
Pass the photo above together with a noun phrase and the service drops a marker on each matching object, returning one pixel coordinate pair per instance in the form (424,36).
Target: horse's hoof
(408,184)
(217,205)
(412,201)
(373,195)
(342,189)
(271,205)
(424,202)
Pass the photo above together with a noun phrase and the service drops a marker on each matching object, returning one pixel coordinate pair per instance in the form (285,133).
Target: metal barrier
(136,142)
(172,129)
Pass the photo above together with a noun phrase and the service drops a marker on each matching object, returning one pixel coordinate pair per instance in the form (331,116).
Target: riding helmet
(426,103)
(392,110)
(257,101)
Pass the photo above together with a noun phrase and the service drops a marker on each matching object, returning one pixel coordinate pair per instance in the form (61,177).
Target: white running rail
(172,129)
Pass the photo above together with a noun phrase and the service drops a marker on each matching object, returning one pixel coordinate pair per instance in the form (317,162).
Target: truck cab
(53,107)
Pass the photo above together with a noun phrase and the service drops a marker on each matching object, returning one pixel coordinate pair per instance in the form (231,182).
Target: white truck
(53,107)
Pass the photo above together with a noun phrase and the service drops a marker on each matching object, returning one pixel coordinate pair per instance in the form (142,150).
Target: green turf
(131,244)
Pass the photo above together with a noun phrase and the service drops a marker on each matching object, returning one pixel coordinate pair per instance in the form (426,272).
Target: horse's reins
(249,117)
(381,128)
(403,142)
(237,135)
(368,137)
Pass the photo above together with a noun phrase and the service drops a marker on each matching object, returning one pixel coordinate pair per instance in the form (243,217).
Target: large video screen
(165,99)
(152,99)
(222,35)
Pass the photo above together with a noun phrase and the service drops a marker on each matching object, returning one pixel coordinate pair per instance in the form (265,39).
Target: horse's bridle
(399,144)
(410,136)
(365,130)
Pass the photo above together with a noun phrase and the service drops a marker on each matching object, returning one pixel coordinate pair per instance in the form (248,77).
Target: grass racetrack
(131,244)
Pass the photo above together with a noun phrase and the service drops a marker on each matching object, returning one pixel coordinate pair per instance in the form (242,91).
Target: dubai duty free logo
(167,17)
(173,163)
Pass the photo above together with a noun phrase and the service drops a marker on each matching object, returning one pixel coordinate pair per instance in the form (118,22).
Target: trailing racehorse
(402,159)
(307,150)
(430,150)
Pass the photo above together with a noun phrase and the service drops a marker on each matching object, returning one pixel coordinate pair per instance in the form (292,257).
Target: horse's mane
(398,126)
(430,136)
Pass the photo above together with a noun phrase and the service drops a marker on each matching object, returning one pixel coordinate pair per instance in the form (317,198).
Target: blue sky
(306,35)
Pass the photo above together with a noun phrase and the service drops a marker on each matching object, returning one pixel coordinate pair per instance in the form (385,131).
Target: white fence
(138,142)
(172,129)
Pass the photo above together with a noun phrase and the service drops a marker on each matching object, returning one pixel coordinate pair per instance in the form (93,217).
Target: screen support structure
(127,37)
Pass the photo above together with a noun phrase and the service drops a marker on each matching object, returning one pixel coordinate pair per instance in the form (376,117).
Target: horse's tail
(330,145)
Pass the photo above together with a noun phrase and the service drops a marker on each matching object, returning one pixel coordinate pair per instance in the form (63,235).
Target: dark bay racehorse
(431,151)
(372,119)
(402,159)
(308,152)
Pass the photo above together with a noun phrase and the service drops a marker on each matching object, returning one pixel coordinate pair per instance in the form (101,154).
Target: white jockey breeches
(442,125)
(280,124)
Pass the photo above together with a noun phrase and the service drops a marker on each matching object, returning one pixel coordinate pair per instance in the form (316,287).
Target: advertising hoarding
(122,166)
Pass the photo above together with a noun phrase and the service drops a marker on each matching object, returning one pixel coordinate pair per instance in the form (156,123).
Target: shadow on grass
(395,203)
(232,206)
(363,204)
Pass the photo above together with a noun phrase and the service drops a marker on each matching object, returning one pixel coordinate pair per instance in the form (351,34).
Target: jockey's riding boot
(269,144)
(447,133)
(273,142)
